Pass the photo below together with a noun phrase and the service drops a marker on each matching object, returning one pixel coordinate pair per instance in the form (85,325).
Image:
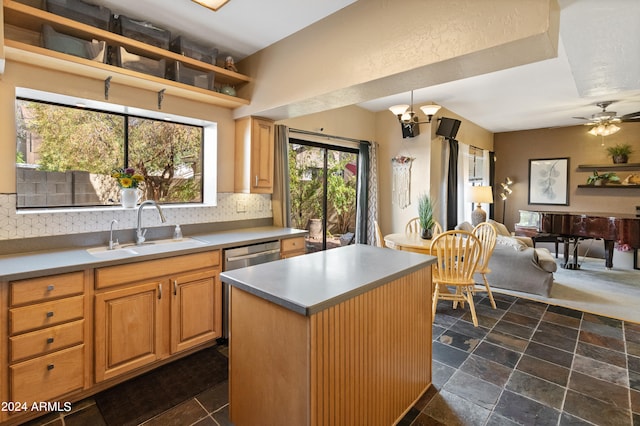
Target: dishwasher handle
(252,255)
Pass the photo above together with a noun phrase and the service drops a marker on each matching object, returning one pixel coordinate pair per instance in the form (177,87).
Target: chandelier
(409,120)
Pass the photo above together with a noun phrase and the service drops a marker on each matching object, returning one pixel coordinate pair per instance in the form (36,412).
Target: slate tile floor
(527,363)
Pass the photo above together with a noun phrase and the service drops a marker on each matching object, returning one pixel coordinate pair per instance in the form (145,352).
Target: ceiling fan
(604,122)
(605,116)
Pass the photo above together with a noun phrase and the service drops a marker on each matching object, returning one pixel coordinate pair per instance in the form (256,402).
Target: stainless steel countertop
(39,263)
(311,283)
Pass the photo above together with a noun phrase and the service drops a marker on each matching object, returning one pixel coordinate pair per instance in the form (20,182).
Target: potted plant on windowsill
(620,153)
(425,215)
(599,179)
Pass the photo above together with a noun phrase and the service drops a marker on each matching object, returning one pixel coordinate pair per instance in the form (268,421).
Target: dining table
(408,241)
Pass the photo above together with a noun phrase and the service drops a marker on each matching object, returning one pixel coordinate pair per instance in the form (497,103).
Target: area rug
(593,288)
(153,393)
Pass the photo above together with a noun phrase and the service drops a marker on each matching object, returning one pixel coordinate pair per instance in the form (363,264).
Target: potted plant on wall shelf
(599,179)
(425,215)
(620,153)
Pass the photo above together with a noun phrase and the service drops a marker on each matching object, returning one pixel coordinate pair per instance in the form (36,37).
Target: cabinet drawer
(50,339)
(48,377)
(45,314)
(45,288)
(122,274)
(292,245)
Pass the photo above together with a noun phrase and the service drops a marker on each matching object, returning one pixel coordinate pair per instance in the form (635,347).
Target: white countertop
(311,283)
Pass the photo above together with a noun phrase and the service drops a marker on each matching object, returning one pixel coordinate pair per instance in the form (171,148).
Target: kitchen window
(66,154)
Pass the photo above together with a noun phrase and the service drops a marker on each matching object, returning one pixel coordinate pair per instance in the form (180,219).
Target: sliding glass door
(323,182)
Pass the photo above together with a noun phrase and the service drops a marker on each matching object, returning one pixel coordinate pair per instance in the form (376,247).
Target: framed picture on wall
(549,181)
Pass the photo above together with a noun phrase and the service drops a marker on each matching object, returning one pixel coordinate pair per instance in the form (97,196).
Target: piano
(571,227)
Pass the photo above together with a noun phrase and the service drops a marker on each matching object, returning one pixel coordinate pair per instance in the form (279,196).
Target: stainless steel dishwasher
(240,257)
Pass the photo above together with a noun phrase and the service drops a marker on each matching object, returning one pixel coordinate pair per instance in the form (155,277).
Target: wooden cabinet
(47,334)
(291,247)
(196,304)
(22,27)
(128,324)
(148,311)
(254,155)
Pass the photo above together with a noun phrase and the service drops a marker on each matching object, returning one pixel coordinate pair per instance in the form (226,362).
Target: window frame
(208,145)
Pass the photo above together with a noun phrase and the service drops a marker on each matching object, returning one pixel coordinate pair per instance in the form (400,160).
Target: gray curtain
(280,199)
(367,203)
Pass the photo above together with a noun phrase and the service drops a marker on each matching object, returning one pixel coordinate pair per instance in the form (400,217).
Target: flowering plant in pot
(425,215)
(620,153)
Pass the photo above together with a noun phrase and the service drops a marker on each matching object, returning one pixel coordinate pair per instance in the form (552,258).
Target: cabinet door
(128,328)
(196,309)
(262,146)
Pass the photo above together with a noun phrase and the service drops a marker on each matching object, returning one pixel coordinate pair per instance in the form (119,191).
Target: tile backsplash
(27,224)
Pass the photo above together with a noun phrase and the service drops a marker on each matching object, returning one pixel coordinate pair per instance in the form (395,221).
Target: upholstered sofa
(517,265)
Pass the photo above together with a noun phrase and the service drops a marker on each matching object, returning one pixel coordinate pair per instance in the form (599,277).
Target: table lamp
(478,195)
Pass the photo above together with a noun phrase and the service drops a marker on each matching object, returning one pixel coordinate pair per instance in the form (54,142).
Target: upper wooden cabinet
(22,29)
(254,155)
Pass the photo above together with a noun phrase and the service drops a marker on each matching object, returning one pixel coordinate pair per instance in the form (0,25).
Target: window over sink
(67,151)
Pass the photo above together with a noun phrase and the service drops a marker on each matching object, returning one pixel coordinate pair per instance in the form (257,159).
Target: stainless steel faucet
(112,244)
(141,232)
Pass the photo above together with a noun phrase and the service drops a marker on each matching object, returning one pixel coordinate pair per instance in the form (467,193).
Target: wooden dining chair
(437,228)
(413,226)
(457,254)
(487,235)
(379,239)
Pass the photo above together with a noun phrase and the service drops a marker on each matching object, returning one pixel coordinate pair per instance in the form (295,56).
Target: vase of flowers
(128,181)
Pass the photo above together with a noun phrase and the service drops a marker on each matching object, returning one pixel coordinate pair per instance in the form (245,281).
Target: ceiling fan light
(399,109)
(612,128)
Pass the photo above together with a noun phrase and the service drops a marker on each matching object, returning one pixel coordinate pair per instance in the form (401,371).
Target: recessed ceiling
(598,58)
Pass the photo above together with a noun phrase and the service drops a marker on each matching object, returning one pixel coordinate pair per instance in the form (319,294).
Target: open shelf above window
(22,27)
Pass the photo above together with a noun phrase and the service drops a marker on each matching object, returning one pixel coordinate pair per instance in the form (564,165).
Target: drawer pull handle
(50,287)
(256,180)
(49,340)
(50,366)
(175,287)
(159,291)
(49,314)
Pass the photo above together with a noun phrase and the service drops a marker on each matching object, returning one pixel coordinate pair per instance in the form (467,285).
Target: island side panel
(268,363)
(371,355)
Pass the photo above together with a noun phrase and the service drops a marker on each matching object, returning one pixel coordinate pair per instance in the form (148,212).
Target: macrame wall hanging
(401,180)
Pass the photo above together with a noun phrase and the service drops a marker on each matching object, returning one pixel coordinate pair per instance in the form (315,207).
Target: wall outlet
(241,206)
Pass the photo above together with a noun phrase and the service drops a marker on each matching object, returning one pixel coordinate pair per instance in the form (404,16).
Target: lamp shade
(430,109)
(480,194)
(399,109)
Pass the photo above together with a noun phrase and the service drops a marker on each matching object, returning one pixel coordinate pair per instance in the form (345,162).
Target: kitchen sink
(149,247)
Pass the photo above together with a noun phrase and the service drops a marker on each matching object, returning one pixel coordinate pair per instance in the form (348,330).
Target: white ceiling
(598,58)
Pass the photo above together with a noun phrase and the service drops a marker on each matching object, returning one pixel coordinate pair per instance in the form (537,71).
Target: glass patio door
(323,182)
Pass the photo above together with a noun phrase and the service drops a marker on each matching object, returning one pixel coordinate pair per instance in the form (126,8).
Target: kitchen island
(336,337)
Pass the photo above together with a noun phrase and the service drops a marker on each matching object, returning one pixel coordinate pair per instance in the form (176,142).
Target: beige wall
(21,75)
(382,127)
(515,149)
(376,48)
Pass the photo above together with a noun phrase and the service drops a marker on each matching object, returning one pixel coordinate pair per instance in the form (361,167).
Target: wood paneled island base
(365,360)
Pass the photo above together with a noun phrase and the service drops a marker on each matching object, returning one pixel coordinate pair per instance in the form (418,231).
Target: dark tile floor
(527,363)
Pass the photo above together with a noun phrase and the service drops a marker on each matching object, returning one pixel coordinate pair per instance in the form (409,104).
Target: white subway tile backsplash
(27,224)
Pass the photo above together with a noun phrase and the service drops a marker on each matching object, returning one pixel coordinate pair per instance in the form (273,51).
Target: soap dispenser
(177,233)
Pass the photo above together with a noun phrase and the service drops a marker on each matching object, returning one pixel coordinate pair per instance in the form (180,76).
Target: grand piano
(623,229)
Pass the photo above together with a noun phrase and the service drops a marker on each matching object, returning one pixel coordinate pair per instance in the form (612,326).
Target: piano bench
(547,238)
